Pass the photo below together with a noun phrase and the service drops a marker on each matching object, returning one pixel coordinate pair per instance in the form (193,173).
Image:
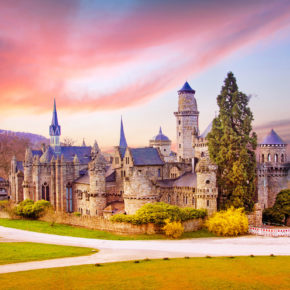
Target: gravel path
(112,251)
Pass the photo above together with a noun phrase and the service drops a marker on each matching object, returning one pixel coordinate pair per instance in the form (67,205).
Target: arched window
(193,201)
(282,158)
(276,158)
(263,158)
(159,172)
(169,198)
(45,191)
(69,198)
(202,154)
(269,157)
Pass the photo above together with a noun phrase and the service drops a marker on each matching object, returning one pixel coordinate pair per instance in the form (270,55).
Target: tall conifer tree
(231,146)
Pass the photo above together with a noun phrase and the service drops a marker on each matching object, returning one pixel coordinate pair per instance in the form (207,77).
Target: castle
(80,179)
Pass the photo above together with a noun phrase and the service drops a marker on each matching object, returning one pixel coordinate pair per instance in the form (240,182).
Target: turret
(97,173)
(55,131)
(186,122)
(206,193)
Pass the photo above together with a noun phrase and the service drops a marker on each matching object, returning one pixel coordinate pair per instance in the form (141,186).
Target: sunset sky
(104,59)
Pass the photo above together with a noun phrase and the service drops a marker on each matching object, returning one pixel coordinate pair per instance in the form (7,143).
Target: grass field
(65,230)
(193,273)
(26,252)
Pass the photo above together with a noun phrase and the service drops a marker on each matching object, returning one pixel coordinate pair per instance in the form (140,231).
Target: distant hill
(34,139)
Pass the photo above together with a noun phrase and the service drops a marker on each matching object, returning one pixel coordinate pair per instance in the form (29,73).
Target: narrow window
(179,145)
(282,158)
(179,122)
(276,158)
(263,158)
(159,172)
(269,157)
(207,203)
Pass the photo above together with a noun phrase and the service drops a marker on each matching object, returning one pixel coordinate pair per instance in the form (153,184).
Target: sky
(102,60)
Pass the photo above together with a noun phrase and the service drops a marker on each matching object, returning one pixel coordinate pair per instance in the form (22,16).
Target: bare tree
(67,141)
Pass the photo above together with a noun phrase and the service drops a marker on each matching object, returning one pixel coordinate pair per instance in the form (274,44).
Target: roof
(110,176)
(2,179)
(83,153)
(123,142)
(146,156)
(272,139)
(188,179)
(186,88)
(206,131)
(160,136)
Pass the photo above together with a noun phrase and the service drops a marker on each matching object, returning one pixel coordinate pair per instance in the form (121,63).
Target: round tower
(206,192)
(138,190)
(97,173)
(272,168)
(163,143)
(186,122)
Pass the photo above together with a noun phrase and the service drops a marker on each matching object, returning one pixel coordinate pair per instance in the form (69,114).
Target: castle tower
(186,123)
(138,190)
(162,142)
(54,131)
(27,183)
(97,173)
(272,169)
(206,192)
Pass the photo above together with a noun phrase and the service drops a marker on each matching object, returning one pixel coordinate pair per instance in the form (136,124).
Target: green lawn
(65,230)
(193,273)
(25,252)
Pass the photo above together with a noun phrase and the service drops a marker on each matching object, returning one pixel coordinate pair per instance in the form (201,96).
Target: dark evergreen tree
(231,146)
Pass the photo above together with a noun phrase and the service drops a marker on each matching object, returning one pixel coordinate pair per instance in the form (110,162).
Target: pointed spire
(84,143)
(96,148)
(123,142)
(160,130)
(54,128)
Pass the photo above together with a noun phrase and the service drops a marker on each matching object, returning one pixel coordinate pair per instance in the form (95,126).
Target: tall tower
(54,131)
(186,123)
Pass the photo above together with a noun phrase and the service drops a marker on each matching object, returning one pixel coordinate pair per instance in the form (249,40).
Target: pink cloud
(43,47)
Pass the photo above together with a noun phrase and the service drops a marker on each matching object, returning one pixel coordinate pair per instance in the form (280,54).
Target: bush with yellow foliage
(173,229)
(232,222)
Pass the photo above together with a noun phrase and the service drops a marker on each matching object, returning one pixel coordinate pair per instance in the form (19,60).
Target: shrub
(280,212)
(232,222)
(8,207)
(30,209)
(158,212)
(76,213)
(173,229)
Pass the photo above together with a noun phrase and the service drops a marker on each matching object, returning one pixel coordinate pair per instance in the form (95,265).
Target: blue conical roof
(186,88)
(54,128)
(123,142)
(206,131)
(272,139)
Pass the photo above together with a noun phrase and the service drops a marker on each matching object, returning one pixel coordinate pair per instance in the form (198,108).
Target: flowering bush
(232,222)
(173,229)
(158,212)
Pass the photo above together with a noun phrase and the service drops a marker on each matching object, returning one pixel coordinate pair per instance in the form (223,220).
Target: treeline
(9,146)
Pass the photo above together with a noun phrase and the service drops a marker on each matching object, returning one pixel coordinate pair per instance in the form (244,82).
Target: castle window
(193,201)
(117,160)
(45,191)
(282,158)
(179,145)
(186,200)
(179,122)
(69,199)
(164,150)
(179,134)
(207,182)
(127,160)
(276,157)
(263,158)
(207,203)
(168,198)
(202,154)
(269,157)
(159,172)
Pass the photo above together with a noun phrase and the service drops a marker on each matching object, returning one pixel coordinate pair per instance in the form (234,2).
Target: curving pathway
(113,251)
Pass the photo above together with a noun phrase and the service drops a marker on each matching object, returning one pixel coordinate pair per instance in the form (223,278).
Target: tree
(67,141)
(280,212)
(232,147)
